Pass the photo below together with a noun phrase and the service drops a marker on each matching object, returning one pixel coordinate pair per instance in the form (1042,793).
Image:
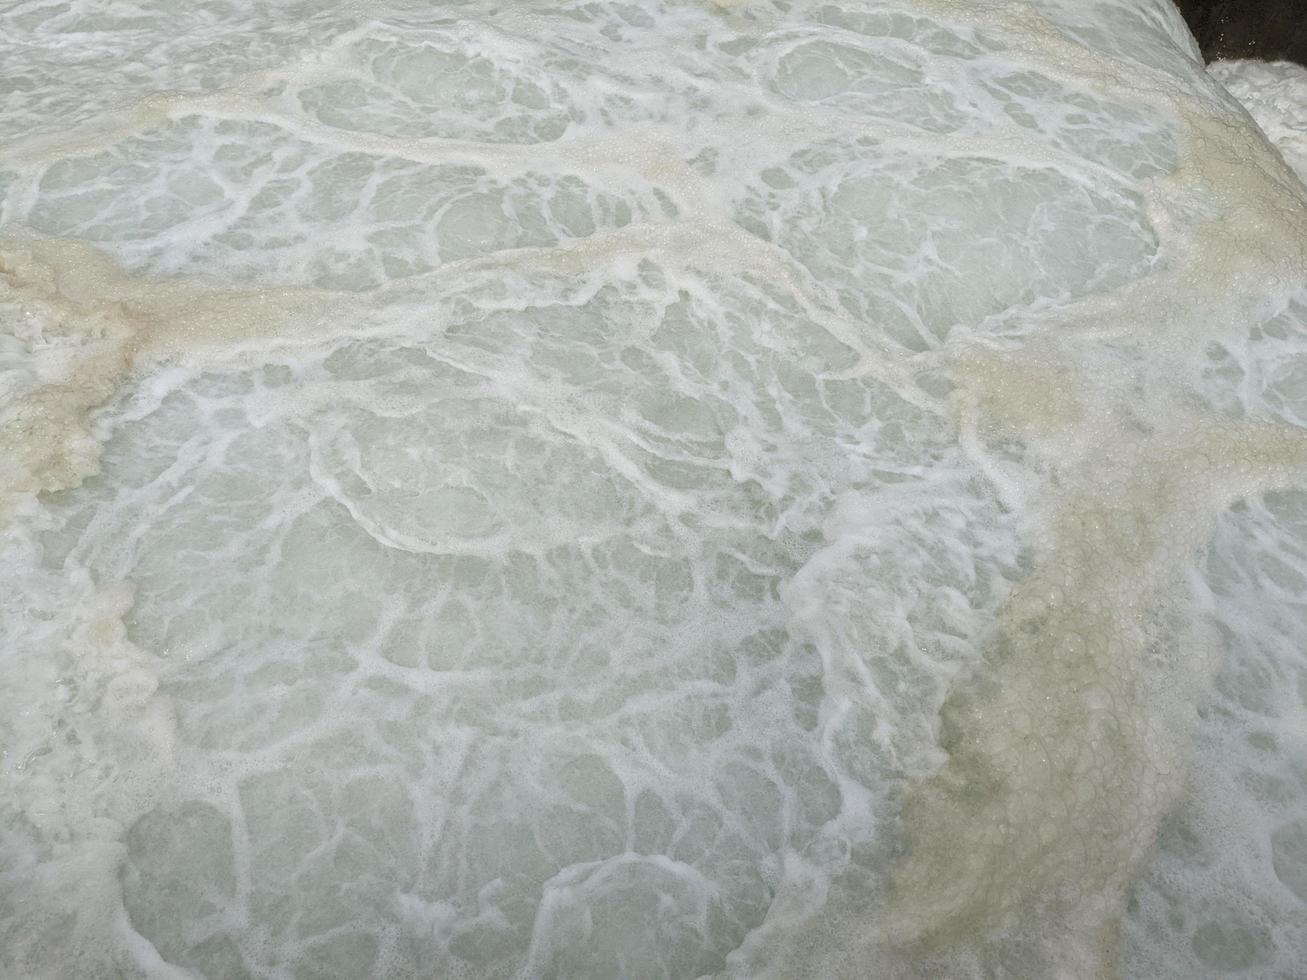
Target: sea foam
(569,489)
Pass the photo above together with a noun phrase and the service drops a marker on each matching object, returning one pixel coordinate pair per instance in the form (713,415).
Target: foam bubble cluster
(575,490)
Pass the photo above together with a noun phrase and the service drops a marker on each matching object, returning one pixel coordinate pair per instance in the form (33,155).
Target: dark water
(1273,30)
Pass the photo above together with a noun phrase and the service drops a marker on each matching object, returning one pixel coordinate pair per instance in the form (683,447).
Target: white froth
(698,488)
(1275,95)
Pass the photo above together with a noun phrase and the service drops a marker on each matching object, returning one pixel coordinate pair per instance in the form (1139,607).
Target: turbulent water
(575,489)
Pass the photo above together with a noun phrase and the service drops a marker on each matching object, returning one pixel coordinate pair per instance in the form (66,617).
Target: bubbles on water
(705,488)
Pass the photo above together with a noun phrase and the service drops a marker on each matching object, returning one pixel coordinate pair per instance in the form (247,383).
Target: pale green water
(588,490)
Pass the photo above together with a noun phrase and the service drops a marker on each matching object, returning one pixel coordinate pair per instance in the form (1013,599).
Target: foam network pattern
(662,490)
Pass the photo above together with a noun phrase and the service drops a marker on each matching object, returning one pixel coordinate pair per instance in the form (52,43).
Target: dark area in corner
(1272,30)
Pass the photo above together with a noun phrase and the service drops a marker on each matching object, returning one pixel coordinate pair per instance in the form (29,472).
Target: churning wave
(567,489)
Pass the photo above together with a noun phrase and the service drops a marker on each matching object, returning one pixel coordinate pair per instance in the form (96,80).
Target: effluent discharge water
(573,489)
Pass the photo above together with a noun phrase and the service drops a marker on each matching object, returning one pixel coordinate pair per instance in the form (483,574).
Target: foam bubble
(730,489)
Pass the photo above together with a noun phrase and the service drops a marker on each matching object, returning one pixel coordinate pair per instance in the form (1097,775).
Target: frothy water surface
(592,490)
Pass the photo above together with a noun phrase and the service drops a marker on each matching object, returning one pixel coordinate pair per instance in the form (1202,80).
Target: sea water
(574,489)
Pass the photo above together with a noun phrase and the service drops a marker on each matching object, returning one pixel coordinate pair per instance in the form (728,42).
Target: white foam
(1275,95)
(569,490)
